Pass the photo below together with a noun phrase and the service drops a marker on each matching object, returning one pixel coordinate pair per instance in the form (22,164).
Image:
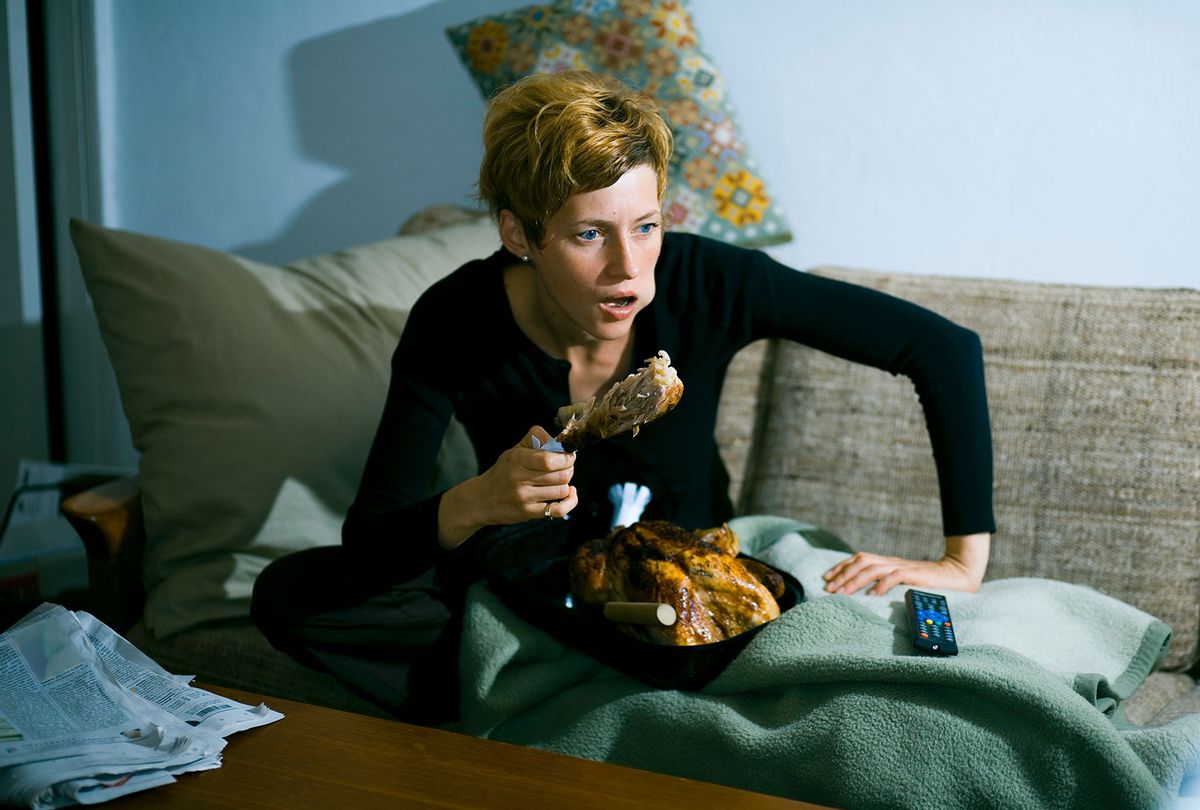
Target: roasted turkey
(716,595)
(640,398)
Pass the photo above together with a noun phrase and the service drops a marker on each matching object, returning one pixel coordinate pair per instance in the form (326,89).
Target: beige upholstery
(1094,396)
(234,653)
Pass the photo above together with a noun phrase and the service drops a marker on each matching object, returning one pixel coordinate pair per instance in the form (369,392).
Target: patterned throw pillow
(715,187)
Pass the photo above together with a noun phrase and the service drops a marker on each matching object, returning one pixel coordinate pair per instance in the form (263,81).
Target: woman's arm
(944,362)
(523,484)
(961,568)
(395,522)
(391,525)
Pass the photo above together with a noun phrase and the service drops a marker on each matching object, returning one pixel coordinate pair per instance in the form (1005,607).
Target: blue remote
(929,622)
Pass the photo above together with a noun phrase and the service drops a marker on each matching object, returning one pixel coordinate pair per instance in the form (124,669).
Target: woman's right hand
(523,484)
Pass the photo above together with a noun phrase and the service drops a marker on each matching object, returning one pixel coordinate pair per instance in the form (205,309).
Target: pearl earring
(525,258)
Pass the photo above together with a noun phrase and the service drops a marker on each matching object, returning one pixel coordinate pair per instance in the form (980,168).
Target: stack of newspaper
(86,717)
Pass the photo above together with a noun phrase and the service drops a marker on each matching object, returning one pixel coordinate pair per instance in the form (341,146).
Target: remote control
(929,622)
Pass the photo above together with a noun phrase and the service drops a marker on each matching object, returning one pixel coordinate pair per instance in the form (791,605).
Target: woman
(587,286)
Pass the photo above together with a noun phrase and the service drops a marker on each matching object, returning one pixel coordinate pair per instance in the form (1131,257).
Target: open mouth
(620,302)
(620,306)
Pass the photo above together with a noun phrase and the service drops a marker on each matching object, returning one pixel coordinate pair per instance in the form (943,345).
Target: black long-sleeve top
(463,354)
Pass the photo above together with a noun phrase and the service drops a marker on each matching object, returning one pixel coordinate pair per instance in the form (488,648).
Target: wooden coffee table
(317,757)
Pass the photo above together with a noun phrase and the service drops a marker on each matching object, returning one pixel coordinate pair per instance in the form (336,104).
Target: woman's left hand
(960,569)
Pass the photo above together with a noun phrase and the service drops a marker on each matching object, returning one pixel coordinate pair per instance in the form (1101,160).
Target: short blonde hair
(549,136)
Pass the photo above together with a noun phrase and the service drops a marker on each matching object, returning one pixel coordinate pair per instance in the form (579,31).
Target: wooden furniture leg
(108,518)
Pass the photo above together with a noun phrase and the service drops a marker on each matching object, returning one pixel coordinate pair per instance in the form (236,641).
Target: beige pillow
(252,393)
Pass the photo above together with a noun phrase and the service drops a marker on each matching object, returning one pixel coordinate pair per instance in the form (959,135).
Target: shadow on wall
(390,106)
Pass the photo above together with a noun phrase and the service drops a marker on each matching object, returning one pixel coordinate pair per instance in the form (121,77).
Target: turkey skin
(716,595)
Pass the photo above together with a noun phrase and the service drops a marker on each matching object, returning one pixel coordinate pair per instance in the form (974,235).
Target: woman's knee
(293,588)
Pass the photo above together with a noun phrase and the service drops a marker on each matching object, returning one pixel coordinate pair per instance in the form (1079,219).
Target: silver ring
(546,514)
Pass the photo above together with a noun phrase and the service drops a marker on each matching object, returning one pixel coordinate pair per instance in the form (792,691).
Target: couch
(1094,396)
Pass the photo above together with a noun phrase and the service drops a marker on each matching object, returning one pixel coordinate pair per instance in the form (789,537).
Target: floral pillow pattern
(715,188)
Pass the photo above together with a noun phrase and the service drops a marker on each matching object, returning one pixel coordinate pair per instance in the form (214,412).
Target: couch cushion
(1162,693)
(739,412)
(253,392)
(1095,404)
(232,652)
(715,187)
(1181,706)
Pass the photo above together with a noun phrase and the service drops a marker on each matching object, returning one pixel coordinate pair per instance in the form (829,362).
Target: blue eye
(589,235)
(647,227)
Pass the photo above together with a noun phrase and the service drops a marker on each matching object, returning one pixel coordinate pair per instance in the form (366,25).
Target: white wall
(282,128)
(1036,139)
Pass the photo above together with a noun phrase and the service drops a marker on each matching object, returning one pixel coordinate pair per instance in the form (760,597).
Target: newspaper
(86,717)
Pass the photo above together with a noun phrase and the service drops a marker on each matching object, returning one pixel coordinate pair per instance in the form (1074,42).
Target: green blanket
(828,704)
